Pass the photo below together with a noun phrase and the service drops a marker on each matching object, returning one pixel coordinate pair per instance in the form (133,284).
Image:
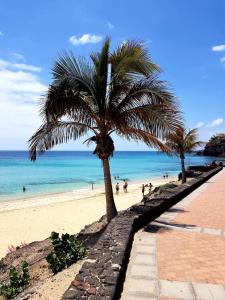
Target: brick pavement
(181,255)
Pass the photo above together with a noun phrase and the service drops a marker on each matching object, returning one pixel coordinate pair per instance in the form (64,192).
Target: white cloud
(215,122)
(18,56)
(110,25)
(20,90)
(218,48)
(26,67)
(222,60)
(85,39)
(199,124)
(19,82)
(18,66)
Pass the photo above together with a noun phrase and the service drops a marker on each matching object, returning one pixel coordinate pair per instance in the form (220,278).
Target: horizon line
(82,150)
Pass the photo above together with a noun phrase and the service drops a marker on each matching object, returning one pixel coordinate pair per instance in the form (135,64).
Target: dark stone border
(103,272)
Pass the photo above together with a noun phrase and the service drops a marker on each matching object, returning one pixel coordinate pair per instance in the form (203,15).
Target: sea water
(59,171)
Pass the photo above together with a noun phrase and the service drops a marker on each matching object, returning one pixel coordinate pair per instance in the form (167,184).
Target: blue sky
(182,37)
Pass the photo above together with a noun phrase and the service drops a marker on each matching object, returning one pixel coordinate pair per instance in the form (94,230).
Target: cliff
(216,146)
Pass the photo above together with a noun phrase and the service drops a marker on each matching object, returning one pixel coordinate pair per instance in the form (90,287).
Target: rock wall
(102,274)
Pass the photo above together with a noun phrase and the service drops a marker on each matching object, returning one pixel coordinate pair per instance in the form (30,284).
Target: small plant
(67,250)
(17,281)
(169,185)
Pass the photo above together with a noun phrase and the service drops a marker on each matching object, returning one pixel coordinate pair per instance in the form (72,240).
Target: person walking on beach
(150,187)
(125,186)
(117,188)
(143,189)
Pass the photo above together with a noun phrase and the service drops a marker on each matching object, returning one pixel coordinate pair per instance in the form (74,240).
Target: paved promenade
(181,255)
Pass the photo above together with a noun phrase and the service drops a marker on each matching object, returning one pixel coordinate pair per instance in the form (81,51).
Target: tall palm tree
(114,92)
(183,141)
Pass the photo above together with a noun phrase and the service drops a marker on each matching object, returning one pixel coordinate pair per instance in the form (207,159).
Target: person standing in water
(24,189)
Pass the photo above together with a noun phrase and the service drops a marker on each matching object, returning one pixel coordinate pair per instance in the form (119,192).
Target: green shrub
(17,281)
(168,185)
(67,250)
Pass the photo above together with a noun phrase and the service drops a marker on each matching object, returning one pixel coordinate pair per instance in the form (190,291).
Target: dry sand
(35,218)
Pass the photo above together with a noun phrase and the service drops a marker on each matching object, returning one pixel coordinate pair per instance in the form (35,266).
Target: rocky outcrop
(216,146)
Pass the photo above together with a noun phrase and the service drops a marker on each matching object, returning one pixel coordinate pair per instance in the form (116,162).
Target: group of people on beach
(150,185)
(125,185)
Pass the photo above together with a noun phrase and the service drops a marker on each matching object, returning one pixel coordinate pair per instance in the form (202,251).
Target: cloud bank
(5,64)
(20,90)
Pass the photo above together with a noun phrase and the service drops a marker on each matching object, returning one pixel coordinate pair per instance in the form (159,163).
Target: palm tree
(183,141)
(114,92)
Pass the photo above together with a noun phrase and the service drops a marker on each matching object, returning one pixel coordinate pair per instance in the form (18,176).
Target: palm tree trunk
(183,169)
(111,211)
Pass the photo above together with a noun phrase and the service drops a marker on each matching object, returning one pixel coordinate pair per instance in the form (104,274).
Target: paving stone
(142,286)
(194,229)
(175,289)
(142,259)
(143,270)
(164,219)
(172,215)
(212,231)
(209,291)
(146,241)
(137,297)
(145,249)
(145,235)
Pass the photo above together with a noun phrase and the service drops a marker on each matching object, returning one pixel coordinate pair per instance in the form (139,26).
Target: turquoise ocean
(59,171)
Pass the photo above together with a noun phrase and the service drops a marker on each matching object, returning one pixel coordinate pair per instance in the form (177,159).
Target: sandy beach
(35,218)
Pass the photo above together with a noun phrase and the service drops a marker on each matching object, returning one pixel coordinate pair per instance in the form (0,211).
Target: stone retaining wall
(102,274)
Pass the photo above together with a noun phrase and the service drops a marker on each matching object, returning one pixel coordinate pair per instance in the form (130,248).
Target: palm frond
(132,58)
(101,61)
(78,74)
(148,105)
(61,100)
(51,134)
(149,139)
